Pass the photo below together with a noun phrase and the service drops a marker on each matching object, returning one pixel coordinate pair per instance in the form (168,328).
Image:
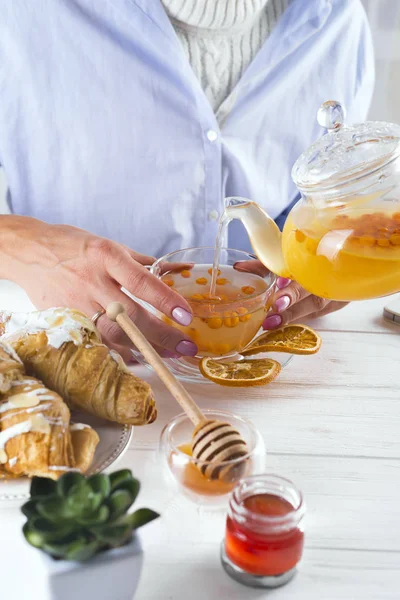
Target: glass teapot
(341,241)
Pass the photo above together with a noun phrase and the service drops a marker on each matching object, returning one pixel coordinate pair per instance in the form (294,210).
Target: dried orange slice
(293,339)
(242,373)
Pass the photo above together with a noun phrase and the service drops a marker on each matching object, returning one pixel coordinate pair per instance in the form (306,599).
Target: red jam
(263,535)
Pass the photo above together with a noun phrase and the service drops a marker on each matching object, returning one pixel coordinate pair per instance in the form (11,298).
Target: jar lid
(345,152)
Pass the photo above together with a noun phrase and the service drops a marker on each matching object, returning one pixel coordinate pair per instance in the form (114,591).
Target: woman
(132,120)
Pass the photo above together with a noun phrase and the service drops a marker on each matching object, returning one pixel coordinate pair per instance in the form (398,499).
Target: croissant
(36,437)
(63,349)
(11,368)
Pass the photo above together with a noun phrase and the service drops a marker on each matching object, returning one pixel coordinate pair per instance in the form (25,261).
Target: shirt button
(213,215)
(212,135)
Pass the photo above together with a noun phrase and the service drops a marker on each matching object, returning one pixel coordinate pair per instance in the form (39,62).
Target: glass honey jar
(264,532)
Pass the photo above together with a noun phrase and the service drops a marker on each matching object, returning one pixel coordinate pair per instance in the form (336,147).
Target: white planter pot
(112,575)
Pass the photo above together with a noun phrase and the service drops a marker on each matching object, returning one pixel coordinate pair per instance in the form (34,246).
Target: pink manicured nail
(186,348)
(181,316)
(272,322)
(282,282)
(282,303)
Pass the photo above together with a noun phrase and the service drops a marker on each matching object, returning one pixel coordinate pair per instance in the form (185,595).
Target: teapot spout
(264,234)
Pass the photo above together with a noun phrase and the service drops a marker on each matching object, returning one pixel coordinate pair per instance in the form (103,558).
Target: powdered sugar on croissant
(60,324)
(36,437)
(63,349)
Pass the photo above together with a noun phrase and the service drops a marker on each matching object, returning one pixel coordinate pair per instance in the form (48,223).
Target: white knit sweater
(221,38)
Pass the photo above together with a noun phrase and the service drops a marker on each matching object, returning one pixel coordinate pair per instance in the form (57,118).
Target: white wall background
(384,16)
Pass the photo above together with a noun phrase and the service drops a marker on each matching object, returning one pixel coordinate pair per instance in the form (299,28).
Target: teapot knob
(331,115)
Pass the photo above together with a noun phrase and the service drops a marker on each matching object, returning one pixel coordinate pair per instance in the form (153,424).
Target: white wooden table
(331,423)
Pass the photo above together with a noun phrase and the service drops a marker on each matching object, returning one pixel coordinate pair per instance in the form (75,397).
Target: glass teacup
(223,323)
(220,328)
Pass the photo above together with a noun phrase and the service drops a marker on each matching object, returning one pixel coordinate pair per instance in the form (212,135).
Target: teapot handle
(331,115)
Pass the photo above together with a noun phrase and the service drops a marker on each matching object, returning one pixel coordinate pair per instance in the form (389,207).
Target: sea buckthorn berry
(248,290)
(384,231)
(168,282)
(369,231)
(210,272)
(204,347)
(367,240)
(243,313)
(214,322)
(384,243)
(231,319)
(201,280)
(354,240)
(344,222)
(222,349)
(222,281)
(300,237)
(395,239)
(311,246)
(185,273)
(196,297)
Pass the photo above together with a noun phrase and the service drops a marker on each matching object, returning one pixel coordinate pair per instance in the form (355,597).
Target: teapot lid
(345,152)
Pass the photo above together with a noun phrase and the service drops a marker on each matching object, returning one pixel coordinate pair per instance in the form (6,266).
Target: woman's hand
(292,303)
(58,265)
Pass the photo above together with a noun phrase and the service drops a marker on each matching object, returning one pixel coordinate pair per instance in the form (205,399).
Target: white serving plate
(114,441)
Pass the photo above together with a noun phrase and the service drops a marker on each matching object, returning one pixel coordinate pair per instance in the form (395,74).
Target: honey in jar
(264,531)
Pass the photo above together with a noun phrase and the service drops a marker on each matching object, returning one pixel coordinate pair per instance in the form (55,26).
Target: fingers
(167,267)
(282,283)
(123,351)
(126,352)
(158,333)
(251,266)
(330,308)
(306,307)
(311,307)
(139,282)
(289,294)
(143,259)
(290,303)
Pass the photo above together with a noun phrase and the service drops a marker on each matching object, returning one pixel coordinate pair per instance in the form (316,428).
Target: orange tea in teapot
(340,255)
(351,256)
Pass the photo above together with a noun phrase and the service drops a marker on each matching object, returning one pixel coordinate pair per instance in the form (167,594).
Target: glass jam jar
(264,532)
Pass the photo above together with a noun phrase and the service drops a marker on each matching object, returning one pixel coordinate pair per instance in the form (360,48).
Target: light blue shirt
(103,124)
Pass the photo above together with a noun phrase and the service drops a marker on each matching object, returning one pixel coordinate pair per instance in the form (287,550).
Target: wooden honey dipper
(213,442)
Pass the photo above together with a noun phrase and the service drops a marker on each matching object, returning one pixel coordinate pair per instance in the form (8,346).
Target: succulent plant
(76,517)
